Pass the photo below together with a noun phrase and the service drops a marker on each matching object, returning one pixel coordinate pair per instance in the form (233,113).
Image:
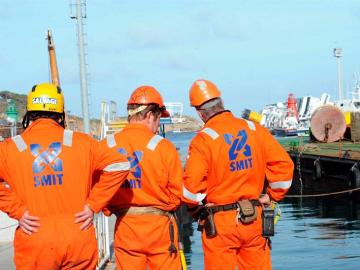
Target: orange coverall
(228,161)
(155,180)
(10,203)
(51,169)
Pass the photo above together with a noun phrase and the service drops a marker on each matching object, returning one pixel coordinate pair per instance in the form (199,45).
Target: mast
(52,57)
(82,65)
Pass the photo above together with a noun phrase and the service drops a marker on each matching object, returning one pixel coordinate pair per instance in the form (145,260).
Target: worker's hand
(29,224)
(265,200)
(86,217)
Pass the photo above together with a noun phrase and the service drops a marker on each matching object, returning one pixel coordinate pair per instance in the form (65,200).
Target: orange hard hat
(202,91)
(146,95)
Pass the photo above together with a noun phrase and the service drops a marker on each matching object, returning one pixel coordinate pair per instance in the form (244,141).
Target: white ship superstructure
(292,119)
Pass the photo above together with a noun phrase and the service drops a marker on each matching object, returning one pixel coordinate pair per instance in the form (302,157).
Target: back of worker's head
(146,99)
(45,100)
(206,98)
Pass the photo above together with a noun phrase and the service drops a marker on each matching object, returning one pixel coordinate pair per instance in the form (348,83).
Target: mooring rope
(322,194)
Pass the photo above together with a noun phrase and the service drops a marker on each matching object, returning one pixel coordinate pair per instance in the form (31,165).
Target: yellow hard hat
(45,97)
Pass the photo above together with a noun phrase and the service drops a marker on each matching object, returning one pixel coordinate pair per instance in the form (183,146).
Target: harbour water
(313,232)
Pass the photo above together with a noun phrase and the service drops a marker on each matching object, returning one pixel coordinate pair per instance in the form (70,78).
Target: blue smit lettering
(36,181)
(240,165)
(59,177)
(131,184)
(48,180)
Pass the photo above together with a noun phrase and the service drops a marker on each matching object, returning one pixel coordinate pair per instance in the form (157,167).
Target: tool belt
(247,209)
(231,206)
(138,211)
(148,210)
(247,214)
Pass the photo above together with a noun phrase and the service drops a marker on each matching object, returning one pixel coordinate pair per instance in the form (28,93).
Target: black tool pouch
(200,225)
(267,222)
(209,226)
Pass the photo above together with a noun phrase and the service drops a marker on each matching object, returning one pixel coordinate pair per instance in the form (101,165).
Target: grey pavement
(6,256)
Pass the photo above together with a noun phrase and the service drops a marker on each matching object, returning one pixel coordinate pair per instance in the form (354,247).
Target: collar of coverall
(136,126)
(218,115)
(42,123)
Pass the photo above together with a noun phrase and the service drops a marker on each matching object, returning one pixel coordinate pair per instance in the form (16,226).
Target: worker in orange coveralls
(228,161)
(10,203)
(145,231)
(50,169)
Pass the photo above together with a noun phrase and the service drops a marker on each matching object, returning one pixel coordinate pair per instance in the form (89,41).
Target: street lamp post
(82,63)
(338,55)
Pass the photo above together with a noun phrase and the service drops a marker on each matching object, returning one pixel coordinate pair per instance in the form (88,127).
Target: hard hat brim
(165,114)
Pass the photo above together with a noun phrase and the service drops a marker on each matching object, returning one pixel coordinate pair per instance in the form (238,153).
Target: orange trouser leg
(142,242)
(236,246)
(59,244)
(82,251)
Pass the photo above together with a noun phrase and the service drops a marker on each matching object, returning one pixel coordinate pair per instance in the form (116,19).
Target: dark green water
(313,233)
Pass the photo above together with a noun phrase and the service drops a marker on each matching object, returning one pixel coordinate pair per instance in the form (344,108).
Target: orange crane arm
(52,57)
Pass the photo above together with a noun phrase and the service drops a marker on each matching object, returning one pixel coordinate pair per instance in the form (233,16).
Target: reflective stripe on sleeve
(212,133)
(198,197)
(251,124)
(154,141)
(281,184)
(116,167)
(110,139)
(67,140)
(20,143)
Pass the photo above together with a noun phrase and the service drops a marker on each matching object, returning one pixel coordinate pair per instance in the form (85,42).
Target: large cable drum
(328,123)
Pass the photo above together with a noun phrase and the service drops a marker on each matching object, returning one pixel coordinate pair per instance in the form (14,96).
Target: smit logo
(134,161)
(46,157)
(238,145)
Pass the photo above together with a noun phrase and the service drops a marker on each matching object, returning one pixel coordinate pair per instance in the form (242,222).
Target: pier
(337,160)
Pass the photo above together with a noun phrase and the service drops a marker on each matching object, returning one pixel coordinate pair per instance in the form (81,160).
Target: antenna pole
(338,55)
(82,66)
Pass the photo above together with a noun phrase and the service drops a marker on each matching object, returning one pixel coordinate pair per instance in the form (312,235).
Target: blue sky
(256,51)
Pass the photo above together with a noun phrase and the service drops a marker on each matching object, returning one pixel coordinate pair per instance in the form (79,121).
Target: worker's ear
(200,115)
(148,116)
